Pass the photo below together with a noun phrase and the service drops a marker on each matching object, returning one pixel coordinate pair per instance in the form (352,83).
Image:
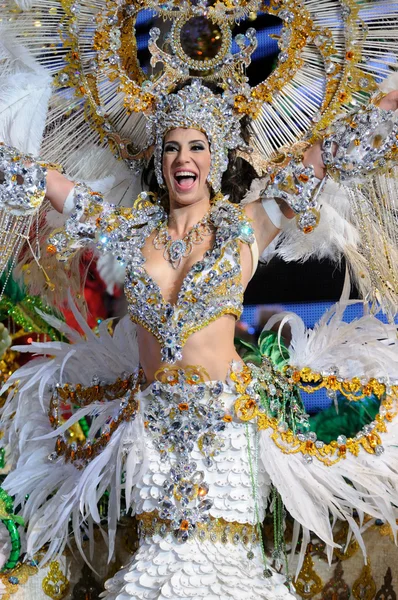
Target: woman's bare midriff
(211,348)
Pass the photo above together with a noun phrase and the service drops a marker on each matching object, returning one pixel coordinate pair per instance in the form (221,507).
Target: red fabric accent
(94,293)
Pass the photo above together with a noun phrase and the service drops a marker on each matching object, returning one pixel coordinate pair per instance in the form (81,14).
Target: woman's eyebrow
(190,142)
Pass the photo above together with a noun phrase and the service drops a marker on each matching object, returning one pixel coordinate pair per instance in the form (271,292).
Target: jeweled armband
(22,187)
(361,143)
(298,186)
(80,226)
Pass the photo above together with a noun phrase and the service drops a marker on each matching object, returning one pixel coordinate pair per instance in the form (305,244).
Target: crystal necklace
(176,250)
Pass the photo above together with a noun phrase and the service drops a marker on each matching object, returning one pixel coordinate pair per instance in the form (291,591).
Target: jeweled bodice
(211,288)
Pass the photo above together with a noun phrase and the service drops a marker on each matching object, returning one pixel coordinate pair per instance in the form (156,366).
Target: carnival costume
(195,459)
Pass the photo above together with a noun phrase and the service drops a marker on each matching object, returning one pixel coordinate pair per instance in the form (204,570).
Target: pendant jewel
(176,250)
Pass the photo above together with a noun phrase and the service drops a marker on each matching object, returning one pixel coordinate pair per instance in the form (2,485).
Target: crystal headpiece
(98,75)
(196,106)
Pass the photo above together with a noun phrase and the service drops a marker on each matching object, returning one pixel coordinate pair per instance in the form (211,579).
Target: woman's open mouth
(185,180)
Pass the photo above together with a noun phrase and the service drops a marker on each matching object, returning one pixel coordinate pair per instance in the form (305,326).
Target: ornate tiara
(328,59)
(197,107)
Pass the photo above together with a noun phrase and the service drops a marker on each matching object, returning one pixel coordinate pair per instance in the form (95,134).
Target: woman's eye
(197,147)
(170,149)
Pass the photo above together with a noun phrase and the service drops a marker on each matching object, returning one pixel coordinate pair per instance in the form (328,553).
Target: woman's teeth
(185,178)
(185,175)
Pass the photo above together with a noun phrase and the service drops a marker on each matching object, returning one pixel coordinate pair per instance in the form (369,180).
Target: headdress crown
(196,106)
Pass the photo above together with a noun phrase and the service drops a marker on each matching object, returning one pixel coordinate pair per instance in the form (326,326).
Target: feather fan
(315,494)
(55,494)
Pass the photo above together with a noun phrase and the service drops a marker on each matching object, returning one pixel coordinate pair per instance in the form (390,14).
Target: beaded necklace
(176,250)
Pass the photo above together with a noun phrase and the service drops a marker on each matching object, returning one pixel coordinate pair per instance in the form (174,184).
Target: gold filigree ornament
(55,584)
(12,580)
(368,439)
(364,588)
(216,530)
(308,583)
(327,62)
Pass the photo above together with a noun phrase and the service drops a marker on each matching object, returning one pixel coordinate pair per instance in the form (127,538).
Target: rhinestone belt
(216,530)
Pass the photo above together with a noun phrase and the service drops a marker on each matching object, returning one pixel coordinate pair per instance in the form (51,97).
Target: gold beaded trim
(80,395)
(328,454)
(80,452)
(368,439)
(246,409)
(55,584)
(311,381)
(217,530)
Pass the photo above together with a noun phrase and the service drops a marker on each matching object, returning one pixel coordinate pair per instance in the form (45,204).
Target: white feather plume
(365,347)
(330,239)
(25,90)
(120,185)
(53,494)
(315,494)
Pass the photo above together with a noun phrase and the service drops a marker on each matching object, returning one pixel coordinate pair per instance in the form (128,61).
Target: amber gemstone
(184,525)
(303,178)
(250,404)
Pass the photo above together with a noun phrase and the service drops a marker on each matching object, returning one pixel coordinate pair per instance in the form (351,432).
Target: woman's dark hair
(237,178)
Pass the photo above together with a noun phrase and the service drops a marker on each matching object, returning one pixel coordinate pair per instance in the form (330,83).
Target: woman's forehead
(181,134)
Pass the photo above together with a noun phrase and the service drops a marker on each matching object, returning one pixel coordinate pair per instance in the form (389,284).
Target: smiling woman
(236,180)
(178,429)
(186,166)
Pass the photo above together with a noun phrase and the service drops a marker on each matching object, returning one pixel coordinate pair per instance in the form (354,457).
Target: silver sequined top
(211,288)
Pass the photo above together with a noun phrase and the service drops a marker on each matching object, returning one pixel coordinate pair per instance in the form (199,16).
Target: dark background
(280,282)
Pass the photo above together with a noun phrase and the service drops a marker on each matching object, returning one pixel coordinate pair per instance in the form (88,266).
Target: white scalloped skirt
(164,569)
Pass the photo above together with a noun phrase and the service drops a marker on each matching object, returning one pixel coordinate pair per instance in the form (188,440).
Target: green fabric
(350,418)
(328,424)
(22,309)
(14,292)
(268,345)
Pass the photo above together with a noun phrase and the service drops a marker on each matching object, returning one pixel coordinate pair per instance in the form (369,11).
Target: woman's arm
(57,189)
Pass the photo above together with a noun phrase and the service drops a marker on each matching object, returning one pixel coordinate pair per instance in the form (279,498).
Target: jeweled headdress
(328,61)
(197,107)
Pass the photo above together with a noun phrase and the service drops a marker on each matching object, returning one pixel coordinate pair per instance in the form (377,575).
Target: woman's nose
(183,156)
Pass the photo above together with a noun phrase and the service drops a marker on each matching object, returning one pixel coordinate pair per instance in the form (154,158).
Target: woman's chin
(189,196)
